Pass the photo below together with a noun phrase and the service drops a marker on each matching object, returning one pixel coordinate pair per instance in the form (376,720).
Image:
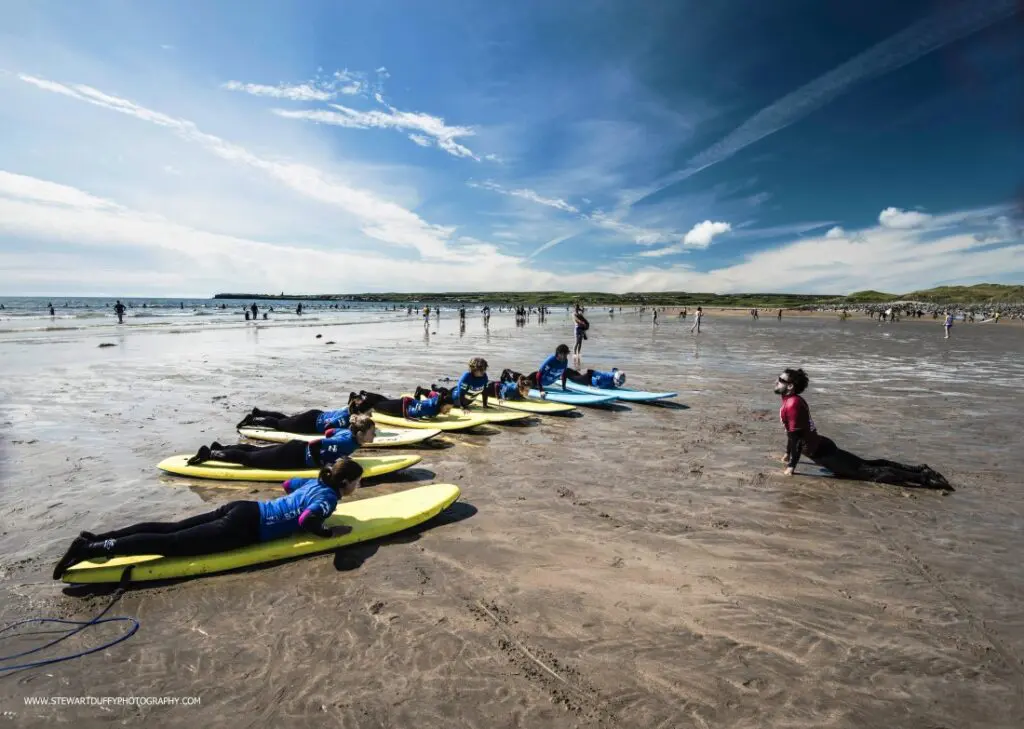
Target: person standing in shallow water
(697,316)
(802,439)
(948,324)
(119,310)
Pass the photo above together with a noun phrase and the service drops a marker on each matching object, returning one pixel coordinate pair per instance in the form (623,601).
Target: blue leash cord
(82,625)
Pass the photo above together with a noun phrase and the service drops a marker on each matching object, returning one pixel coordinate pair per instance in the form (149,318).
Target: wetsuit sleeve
(312,518)
(794,444)
(288,486)
(485,389)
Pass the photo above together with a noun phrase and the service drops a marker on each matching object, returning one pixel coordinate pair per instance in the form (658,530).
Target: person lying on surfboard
(426,403)
(552,369)
(513,388)
(595,378)
(803,438)
(473,380)
(310,421)
(294,454)
(306,505)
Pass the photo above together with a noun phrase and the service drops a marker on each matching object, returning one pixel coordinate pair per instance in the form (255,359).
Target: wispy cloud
(424,126)
(598,218)
(956,21)
(381,219)
(345,82)
(551,244)
(526,194)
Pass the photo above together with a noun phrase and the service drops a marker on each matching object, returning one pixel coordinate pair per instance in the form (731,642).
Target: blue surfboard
(574,398)
(620,393)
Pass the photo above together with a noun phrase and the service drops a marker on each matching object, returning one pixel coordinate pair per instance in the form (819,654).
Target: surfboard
(219,470)
(369,518)
(385,437)
(530,405)
(489,415)
(441,422)
(621,393)
(572,398)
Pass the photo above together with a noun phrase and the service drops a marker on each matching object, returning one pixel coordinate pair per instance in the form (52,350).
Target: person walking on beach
(119,310)
(304,508)
(697,316)
(802,438)
(780,314)
(948,324)
(655,317)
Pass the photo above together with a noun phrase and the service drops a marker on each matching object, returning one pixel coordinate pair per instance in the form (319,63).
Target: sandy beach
(636,566)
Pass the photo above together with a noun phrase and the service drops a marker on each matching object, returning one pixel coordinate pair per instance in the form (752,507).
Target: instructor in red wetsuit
(803,438)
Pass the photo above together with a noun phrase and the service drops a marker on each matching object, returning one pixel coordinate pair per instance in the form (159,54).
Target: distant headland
(977,294)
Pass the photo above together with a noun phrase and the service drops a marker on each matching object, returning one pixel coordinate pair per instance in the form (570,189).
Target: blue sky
(185,148)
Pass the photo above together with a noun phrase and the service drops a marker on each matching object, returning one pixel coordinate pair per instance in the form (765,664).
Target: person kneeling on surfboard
(310,421)
(802,437)
(295,453)
(435,401)
(474,379)
(595,378)
(307,504)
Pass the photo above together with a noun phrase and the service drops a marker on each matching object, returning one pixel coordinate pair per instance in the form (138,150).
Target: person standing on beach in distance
(119,310)
(298,309)
(487,315)
(581,325)
(305,507)
(655,317)
(802,438)
(780,314)
(697,316)
(255,311)
(51,310)
(948,324)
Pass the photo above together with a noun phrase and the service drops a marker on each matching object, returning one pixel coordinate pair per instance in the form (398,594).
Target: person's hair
(341,471)
(798,378)
(562,349)
(478,363)
(360,424)
(358,404)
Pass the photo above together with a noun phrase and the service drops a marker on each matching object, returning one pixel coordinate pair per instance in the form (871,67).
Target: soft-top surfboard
(441,422)
(530,405)
(489,415)
(369,519)
(572,398)
(221,471)
(384,438)
(620,393)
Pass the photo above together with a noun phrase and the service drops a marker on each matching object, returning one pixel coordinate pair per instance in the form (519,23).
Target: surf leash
(69,632)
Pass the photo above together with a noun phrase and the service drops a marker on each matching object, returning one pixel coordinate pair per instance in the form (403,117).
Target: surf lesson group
(313,455)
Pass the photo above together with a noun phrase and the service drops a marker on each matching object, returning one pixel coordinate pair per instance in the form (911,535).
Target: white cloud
(701,235)
(173,259)
(380,219)
(902,219)
(527,194)
(420,140)
(666,251)
(836,232)
(425,125)
(953,22)
(348,83)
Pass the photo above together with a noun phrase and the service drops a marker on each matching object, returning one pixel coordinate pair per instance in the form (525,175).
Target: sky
(187,148)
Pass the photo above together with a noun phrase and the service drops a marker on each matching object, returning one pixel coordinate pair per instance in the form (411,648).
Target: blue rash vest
(426,408)
(604,380)
(466,383)
(508,391)
(331,449)
(551,370)
(280,517)
(332,419)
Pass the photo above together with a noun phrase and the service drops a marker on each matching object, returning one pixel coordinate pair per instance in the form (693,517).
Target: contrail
(920,39)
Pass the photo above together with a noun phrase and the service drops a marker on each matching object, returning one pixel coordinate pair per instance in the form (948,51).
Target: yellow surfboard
(219,470)
(529,405)
(490,415)
(369,519)
(384,438)
(441,422)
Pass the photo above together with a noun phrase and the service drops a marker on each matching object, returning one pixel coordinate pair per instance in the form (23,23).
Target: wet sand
(641,566)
